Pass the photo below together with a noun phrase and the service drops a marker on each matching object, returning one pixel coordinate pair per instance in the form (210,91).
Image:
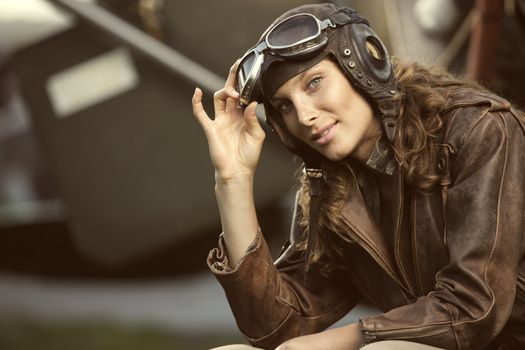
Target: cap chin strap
(389,125)
(315,175)
(389,110)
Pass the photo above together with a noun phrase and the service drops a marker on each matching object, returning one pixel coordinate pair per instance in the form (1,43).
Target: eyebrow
(299,77)
(275,101)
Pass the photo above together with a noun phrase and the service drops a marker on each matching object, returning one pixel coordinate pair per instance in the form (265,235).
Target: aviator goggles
(294,37)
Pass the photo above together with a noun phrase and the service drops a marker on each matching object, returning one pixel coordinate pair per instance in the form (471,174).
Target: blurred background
(107,210)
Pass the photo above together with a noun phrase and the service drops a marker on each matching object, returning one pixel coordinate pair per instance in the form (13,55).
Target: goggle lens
(293,31)
(247,63)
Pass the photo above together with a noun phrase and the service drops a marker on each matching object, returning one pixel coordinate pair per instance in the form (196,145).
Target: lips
(324,135)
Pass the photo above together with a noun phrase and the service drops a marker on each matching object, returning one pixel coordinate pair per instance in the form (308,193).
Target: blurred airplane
(107,87)
(127,186)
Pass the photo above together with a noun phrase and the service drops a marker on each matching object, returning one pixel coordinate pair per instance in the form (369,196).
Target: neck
(362,153)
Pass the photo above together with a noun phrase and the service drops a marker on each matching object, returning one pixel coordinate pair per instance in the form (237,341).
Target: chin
(335,157)
(337,152)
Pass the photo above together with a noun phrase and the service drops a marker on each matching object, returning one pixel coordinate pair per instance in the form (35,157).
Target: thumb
(252,123)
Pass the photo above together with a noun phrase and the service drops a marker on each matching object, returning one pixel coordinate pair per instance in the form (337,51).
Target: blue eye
(314,83)
(284,108)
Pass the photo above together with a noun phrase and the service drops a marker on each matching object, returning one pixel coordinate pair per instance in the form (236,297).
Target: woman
(412,195)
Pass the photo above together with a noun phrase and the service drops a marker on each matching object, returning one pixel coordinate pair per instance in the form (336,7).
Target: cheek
(283,135)
(292,126)
(360,112)
(337,100)
(368,120)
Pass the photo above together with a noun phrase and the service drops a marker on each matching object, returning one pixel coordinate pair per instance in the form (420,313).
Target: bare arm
(235,140)
(348,337)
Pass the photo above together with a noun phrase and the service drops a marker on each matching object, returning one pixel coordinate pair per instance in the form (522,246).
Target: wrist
(235,191)
(237,178)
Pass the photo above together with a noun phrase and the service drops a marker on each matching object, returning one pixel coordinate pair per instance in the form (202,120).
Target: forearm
(348,337)
(238,216)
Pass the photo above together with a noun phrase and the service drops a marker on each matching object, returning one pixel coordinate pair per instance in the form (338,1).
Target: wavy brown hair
(422,97)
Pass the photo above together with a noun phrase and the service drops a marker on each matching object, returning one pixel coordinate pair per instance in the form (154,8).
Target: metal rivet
(441,164)
(359,74)
(369,82)
(347,52)
(351,64)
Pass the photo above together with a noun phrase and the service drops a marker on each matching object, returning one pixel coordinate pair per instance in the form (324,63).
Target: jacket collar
(382,157)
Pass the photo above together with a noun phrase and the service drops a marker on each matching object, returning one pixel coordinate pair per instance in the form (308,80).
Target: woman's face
(321,108)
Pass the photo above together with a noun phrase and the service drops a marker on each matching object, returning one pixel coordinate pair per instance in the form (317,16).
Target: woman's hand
(234,136)
(235,140)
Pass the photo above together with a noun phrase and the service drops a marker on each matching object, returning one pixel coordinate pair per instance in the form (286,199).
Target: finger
(232,75)
(219,102)
(225,92)
(253,126)
(232,101)
(220,99)
(231,106)
(198,110)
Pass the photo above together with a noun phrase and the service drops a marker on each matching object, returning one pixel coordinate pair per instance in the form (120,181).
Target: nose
(306,114)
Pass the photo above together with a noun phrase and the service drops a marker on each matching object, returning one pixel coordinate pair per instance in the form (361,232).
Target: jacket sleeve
(474,293)
(271,302)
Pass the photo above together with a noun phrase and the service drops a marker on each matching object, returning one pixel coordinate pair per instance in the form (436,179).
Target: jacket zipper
(417,269)
(520,288)
(399,220)
(371,336)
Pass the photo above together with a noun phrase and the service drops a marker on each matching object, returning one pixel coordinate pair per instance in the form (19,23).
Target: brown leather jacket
(449,272)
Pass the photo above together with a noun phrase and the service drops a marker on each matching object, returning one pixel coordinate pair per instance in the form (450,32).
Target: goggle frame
(249,83)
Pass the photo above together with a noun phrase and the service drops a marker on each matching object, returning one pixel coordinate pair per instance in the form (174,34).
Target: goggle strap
(261,47)
(327,23)
(345,16)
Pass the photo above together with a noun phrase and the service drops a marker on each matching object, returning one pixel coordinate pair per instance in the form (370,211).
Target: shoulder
(473,115)
(481,129)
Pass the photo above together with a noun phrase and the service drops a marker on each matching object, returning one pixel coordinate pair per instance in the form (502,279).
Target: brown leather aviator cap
(352,44)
